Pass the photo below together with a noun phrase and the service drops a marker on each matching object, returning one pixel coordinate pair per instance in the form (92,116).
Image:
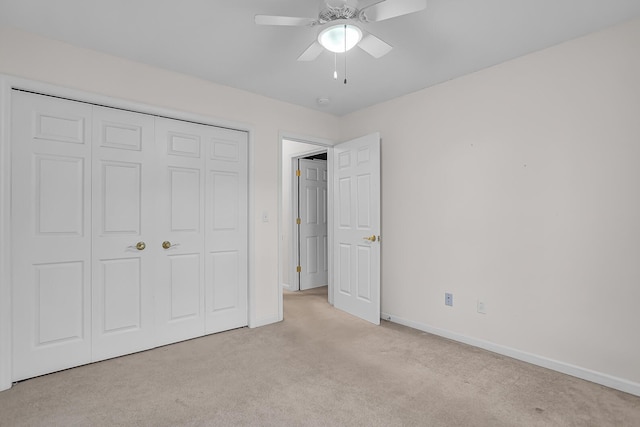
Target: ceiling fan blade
(387,9)
(312,52)
(374,46)
(291,21)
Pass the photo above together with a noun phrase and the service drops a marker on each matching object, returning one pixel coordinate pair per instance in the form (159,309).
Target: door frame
(295,190)
(7,84)
(323,145)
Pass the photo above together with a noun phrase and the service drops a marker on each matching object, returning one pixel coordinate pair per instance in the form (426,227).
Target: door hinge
(298,173)
(299,269)
(298,221)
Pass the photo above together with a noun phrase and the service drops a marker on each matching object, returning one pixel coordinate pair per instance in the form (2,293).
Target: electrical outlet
(448,299)
(482,307)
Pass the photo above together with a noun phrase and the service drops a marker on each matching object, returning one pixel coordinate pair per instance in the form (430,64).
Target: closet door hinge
(298,221)
(298,173)
(299,269)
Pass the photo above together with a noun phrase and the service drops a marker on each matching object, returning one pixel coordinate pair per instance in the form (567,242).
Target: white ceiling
(217,40)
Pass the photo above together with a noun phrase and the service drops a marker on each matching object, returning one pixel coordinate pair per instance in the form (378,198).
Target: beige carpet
(320,367)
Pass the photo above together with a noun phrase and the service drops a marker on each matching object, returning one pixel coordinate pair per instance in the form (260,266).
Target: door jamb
(323,144)
(5,236)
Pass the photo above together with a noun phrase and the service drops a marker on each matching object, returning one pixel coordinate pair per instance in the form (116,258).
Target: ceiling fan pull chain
(345,53)
(335,66)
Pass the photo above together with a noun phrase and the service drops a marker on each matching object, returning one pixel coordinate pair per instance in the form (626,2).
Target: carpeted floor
(320,367)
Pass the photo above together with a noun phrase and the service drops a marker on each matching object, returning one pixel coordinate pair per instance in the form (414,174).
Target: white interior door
(180,216)
(356,227)
(51,228)
(124,241)
(226,224)
(312,200)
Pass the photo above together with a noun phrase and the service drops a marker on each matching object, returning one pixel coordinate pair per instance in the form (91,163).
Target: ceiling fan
(339,22)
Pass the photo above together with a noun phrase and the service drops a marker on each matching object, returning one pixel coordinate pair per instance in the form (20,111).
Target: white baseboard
(315,286)
(555,365)
(287,287)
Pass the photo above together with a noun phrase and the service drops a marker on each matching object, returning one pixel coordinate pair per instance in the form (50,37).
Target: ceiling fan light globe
(333,38)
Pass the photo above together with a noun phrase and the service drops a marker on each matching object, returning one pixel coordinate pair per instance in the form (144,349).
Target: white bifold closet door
(202,222)
(129,232)
(51,234)
(226,234)
(123,212)
(180,215)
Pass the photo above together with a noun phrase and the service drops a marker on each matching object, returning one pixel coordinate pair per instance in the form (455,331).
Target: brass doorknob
(166,244)
(371,239)
(140,246)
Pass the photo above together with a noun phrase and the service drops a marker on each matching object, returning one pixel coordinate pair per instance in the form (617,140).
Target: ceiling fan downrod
(335,59)
(345,53)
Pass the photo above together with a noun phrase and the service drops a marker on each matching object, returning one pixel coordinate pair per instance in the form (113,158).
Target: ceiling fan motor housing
(339,25)
(340,3)
(338,9)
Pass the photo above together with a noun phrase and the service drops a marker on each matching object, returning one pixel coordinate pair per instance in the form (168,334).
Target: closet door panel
(226,230)
(121,300)
(225,281)
(180,218)
(124,254)
(185,286)
(51,236)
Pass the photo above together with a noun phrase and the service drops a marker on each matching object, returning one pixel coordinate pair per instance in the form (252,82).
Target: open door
(356,227)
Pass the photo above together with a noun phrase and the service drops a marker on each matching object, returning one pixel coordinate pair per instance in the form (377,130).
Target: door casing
(7,84)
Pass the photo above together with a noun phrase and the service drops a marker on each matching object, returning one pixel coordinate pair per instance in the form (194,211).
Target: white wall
(520,185)
(290,149)
(29,56)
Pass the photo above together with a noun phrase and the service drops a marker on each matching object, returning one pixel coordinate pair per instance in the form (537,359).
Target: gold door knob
(140,246)
(371,239)
(166,244)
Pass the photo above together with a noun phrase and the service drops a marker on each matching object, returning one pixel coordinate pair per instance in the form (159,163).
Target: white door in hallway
(124,232)
(312,212)
(356,227)
(51,234)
